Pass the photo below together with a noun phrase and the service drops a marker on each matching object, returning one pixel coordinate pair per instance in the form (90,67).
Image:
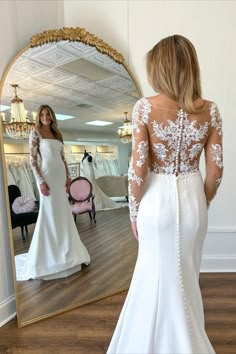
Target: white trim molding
(219,252)
(222,229)
(7,310)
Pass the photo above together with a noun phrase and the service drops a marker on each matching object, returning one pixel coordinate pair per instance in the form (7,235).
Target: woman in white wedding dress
(163,311)
(101,200)
(56,250)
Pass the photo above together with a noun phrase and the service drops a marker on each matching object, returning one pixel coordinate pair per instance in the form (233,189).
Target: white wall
(133,27)
(19,20)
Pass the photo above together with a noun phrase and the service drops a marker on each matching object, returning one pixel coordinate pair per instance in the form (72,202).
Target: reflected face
(45,117)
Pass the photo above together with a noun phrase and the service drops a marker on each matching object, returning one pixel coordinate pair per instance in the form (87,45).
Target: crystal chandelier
(19,126)
(125,132)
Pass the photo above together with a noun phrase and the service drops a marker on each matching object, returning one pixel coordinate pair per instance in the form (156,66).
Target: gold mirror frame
(50,36)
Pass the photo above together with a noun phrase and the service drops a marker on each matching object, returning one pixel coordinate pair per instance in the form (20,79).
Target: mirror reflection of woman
(168,201)
(56,250)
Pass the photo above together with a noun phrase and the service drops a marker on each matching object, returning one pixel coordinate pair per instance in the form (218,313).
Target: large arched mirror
(84,80)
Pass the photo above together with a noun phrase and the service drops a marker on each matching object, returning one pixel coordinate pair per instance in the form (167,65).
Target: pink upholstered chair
(81,197)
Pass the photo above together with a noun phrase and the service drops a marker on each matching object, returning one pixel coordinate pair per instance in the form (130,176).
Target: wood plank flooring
(113,252)
(88,329)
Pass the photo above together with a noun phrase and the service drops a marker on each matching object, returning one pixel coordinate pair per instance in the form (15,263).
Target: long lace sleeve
(34,139)
(213,154)
(65,163)
(138,167)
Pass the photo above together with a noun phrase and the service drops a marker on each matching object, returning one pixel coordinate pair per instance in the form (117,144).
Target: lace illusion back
(170,141)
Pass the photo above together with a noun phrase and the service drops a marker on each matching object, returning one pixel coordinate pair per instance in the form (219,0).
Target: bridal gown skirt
(163,311)
(56,249)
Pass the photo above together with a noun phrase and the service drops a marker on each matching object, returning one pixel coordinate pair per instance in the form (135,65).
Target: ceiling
(74,79)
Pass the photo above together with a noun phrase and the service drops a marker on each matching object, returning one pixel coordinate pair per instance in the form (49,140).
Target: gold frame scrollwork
(76,34)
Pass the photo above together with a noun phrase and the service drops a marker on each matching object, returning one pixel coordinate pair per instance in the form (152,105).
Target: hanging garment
(101,200)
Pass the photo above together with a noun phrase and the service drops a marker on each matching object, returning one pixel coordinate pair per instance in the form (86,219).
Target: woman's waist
(175,176)
(51,164)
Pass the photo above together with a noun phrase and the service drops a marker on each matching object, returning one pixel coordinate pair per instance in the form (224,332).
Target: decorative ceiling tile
(54,56)
(76,82)
(118,83)
(101,59)
(28,66)
(55,75)
(31,83)
(15,77)
(82,50)
(119,69)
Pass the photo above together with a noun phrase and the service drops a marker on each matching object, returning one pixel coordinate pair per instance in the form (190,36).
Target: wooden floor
(113,252)
(88,329)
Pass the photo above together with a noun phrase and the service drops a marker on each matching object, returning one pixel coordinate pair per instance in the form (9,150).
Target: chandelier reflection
(125,132)
(19,126)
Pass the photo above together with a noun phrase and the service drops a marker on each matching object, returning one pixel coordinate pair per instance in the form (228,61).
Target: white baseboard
(7,310)
(218,263)
(219,252)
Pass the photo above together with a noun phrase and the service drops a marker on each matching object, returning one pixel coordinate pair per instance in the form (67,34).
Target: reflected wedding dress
(56,249)
(163,311)
(101,200)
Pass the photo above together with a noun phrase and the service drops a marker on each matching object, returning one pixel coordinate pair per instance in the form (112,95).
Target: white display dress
(56,249)
(163,311)
(101,200)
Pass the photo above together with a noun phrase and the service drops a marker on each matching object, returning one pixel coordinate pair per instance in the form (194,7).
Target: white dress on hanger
(10,178)
(163,311)
(25,184)
(101,200)
(56,249)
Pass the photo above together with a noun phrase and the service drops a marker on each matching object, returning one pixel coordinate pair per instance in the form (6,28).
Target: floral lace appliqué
(216,153)
(34,142)
(142,150)
(179,135)
(216,121)
(141,113)
(133,177)
(160,151)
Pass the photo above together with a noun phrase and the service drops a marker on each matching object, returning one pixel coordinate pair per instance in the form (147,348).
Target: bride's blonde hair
(53,125)
(173,69)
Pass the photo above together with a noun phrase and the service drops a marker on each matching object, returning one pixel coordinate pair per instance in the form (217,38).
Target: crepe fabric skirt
(163,311)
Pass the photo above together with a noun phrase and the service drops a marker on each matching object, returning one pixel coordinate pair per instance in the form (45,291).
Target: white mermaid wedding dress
(163,311)
(56,250)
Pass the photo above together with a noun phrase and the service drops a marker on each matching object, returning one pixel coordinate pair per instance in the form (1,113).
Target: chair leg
(75,217)
(90,215)
(26,232)
(94,214)
(22,233)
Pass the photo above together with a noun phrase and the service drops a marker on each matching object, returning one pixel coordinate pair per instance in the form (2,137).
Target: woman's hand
(208,203)
(44,189)
(134,229)
(67,185)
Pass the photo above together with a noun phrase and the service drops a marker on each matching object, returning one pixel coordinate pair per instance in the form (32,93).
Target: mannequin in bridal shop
(101,200)
(56,250)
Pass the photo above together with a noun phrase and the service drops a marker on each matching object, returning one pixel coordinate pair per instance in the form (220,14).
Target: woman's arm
(213,155)
(34,140)
(66,167)
(138,168)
